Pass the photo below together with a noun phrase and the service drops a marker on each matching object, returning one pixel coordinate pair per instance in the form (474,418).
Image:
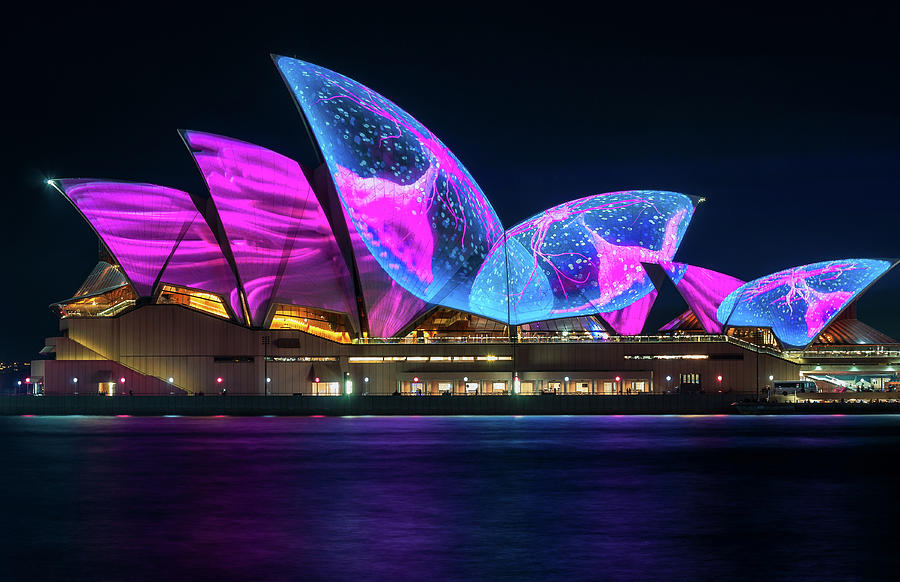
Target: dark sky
(787,123)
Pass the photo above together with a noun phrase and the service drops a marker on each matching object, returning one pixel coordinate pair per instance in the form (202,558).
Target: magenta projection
(139,223)
(630,320)
(703,290)
(389,306)
(198,263)
(282,243)
(148,227)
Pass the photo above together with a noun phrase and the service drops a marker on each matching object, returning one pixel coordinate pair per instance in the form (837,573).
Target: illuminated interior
(107,304)
(566,329)
(760,336)
(200,300)
(444,323)
(325,324)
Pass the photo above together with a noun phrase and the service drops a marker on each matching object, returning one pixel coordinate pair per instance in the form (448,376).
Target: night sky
(787,123)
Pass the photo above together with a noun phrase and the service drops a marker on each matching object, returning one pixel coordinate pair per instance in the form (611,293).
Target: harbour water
(449,498)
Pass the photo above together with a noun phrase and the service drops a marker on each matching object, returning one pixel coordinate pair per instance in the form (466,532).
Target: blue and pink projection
(798,303)
(584,257)
(416,208)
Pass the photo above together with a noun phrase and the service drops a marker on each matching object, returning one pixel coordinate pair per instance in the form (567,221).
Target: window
(326,388)
(320,323)
(198,300)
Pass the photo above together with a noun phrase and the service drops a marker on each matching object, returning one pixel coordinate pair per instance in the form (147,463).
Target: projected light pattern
(389,307)
(147,227)
(703,290)
(582,256)
(198,263)
(417,209)
(139,223)
(798,303)
(282,243)
(630,320)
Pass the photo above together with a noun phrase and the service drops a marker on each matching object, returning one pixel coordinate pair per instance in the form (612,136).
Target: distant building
(386,270)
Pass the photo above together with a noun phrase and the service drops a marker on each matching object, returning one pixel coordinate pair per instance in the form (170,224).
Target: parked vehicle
(785,387)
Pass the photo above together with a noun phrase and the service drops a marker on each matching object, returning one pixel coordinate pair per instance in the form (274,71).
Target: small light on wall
(316,379)
(415,378)
(719,378)
(219,380)
(618,378)
(28,380)
(566,379)
(268,380)
(366,379)
(465,378)
(171,380)
(771,378)
(122,380)
(75,380)
(668,378)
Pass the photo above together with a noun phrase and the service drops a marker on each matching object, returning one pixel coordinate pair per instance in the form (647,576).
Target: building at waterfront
(386,270)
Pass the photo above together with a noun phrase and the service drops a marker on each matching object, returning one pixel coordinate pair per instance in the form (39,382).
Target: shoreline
(648,404)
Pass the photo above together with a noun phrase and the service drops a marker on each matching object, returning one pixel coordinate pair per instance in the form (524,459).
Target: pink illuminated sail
(148,227)
(630,320)
(703,290)
(282,243)
(139,223)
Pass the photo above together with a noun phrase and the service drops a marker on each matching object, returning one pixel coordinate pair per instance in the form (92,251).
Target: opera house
(385,270)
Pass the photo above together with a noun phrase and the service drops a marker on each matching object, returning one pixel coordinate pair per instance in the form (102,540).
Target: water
(459,498)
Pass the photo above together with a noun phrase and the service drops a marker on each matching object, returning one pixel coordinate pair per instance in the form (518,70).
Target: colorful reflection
(582,256)
(417,209)
(798,303)
(278,233)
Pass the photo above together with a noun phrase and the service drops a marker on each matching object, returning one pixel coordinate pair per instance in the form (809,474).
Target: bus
(785,387)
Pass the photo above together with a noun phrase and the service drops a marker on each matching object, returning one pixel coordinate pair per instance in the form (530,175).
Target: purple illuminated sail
(582,256)
(630,320)
(139,223)
(147,227)
(198,263)
(798,303)
(703,290)
(417,210)
(282,243)
(389,307)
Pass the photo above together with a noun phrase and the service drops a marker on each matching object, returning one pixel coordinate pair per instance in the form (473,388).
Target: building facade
(385,270)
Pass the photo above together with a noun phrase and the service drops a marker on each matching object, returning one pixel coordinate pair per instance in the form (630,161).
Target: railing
(574,338)
(855,352)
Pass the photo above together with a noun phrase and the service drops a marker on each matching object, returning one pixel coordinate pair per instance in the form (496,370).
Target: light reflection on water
(449,498)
